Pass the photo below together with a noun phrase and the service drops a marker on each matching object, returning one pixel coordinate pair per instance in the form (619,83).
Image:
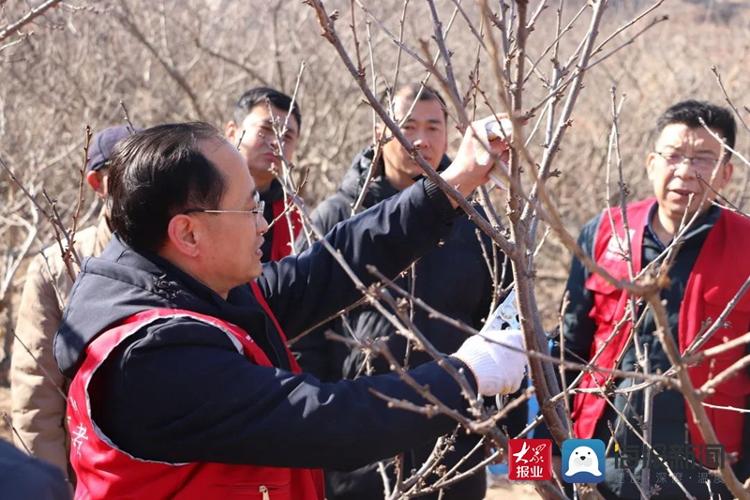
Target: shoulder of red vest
(631,208)
(738,222)
(737,228)
(636,210)
(150,315)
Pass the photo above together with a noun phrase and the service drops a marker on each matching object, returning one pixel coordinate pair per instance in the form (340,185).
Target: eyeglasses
(257,211)
(704,164)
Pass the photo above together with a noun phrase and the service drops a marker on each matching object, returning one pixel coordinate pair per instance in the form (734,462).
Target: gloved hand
(497,369)
(471,166)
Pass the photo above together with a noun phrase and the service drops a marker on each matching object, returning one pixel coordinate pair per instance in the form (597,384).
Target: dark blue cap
(102,145)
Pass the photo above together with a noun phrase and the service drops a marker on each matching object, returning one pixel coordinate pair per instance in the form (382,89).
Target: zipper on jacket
(264,491)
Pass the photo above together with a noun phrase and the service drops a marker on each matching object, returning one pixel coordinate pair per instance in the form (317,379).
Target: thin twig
(27,18)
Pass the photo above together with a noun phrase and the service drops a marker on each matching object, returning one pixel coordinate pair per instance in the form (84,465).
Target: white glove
(487,130)
(497,369)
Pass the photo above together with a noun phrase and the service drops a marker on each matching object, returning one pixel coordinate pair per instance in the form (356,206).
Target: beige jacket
(37,386)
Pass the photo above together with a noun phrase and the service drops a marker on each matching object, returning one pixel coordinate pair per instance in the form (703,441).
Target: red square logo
(529,459)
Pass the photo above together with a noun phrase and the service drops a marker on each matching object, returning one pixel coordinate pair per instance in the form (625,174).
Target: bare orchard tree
(526,89)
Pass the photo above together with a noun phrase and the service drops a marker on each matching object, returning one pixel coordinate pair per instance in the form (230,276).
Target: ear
(725,175)
(183,235)
(650,165)
(231,132)
(95,179)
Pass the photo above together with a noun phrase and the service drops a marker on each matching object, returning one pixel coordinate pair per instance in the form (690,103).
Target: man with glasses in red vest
(175,336)
(687,167)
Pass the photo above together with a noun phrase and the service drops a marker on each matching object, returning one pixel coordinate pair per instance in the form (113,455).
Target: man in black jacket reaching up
(455,278)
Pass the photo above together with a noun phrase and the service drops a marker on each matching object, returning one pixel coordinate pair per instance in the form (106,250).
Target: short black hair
(692,112)
(157,173)
(410,91)
(257,96)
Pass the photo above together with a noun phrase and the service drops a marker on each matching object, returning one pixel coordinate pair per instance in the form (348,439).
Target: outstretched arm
(304,290)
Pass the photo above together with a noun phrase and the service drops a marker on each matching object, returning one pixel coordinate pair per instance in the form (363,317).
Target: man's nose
(685,169)
(262,226)
(421,142)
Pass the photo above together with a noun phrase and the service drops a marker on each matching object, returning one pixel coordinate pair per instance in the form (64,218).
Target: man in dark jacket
(251,129)
(182,382)
(454,278)
(687,167)
(23,477)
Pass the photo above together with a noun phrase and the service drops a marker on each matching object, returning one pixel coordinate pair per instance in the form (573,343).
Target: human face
(259,146)
(674,183)
(230,249)
(426,129)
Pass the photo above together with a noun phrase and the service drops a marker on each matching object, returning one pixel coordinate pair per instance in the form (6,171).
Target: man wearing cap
(37,387)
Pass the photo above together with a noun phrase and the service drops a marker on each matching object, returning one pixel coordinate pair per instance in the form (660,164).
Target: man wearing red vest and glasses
(687,167)
(183,386)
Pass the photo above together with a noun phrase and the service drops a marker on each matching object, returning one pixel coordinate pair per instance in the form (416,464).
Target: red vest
(710,286)
(105,471)
(282,239)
